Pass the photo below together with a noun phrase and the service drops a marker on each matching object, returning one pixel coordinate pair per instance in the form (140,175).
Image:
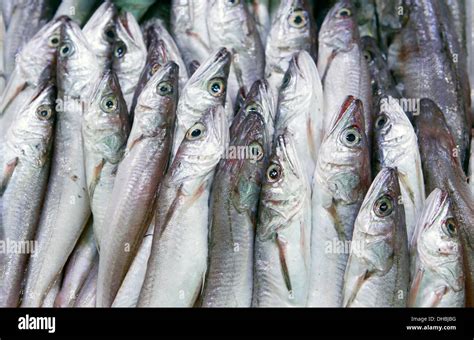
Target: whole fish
(233,204)
(300,110)
(234,28)
(24,173)
(66,208)
(178,259)
(27,17)
(442,169)
(129,55)
(426,68)
(87,295)
(100,33)
(155,29)
(77,10)
(206,88)
(396,146)
(105,130)
(377,273)
(282,243)
(129,292)
(292,30)
(260,10)
(341,180)
(77,269)
(137,180)
(438,274)
(189,28)
(341,64)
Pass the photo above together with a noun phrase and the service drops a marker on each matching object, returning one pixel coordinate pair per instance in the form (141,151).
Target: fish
(190,31)
(301,111)
(441,162)
(129,292)
(260,9)
(283,235)
(206,88)
(426,68)
(438,274)
(471,166)
(25,166)
(138,177)
(77,10)
(3,76)
(100,33)
(178,260)
(77,268)
(292,30)
(52,294)
(66,209)
(366,17)
(341,179)
(233,27)
(87,295)
(26,19)
(129,55)
(396,146)
(377,272)
(155,29)
(105,129)
(341,64)
(389,21)
(233,208)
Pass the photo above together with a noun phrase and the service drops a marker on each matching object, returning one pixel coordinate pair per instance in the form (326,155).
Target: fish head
(33,127)
(224,12)
(339,29)
(106,120)
(284,189)
(77,65)
(100,31)
(343,162)
(201,149)
(156,104)
(130,50)
(437,244)
(378,222)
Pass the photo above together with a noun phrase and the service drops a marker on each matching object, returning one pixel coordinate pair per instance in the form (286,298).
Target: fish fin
(281,244)
(15,85)
(415,286)
(358,283)
(7,174)
(96,177)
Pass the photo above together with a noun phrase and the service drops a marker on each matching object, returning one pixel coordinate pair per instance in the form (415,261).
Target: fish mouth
(221,59)
(350,105)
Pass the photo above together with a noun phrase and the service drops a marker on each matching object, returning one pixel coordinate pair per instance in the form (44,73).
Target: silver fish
(234,27)
(260,10)
(105,129)
(377,273)
(66,208)
(341,180)
(282,243)
(178,260)
(49,299)
(206,88)
(137,180)
(129,55)
(438,276)
(300,110)
(24,173)
(87,295)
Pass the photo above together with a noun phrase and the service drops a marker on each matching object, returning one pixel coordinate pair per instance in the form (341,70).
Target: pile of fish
(231,153)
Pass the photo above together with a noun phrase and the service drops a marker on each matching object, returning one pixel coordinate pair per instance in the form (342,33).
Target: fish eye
(351,136)
(368,56)
(273,173)
(216,87)
(343,13)
(66,50)
(154,68)
(450,227)
(233,2)
(383,206)
(109,33)
(256,150)
(109,104)
(53,40)
(252,108)
(44,112)
(381,121)
(298,18)
(164,88)
(196,131)
(120,49)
